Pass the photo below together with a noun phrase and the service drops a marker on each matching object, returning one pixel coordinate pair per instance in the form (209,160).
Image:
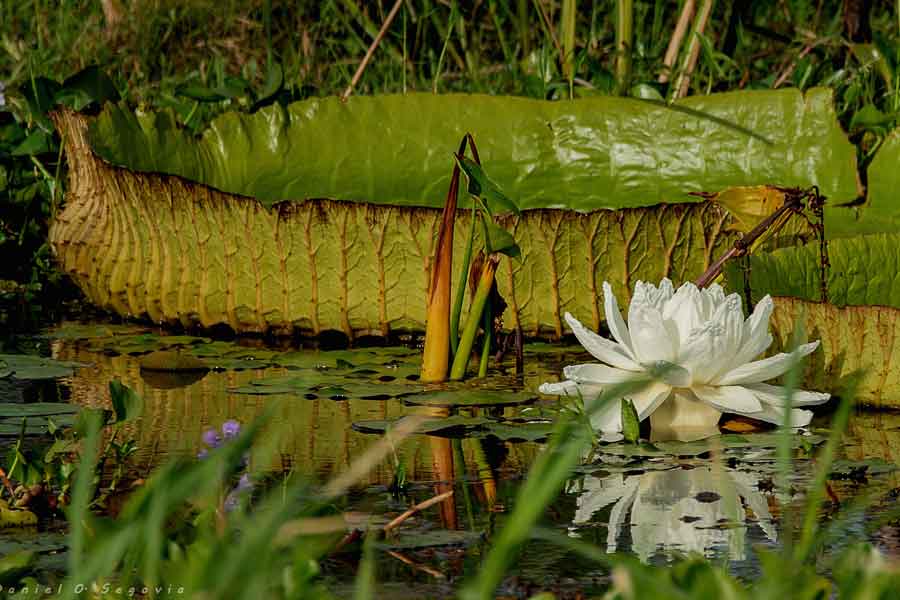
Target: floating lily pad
(327,385)
(37,409)
(441,425)
(859,469)
(172,360)
(23,366)
(413,540)
(524,432)
(727,442)
(12,426)
(15,518)
(468,397)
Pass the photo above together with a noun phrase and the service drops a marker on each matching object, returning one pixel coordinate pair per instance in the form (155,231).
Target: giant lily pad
(599,152)
(860,325)
(358,262)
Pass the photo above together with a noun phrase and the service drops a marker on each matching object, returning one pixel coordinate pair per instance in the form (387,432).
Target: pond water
(714,497)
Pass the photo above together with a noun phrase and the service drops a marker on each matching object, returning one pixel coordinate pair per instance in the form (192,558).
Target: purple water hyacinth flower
(244,483)
(211,438)
(233,499)
(231,429)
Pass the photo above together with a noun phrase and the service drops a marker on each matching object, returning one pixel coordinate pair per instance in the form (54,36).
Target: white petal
(668,373)
(698,349)
(652,295)
(649,398)
(709,348)
(601,348)
(651,339)
(756,337)
(774,394)
(599,374)
(775,415)
(606,418)
(684,309)
(728,398)
(614,320)
(562,388)
(763,370)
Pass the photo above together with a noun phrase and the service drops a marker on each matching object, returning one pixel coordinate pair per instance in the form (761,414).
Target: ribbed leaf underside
(174,251)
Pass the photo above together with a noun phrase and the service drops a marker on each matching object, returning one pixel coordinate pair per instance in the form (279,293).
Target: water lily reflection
(695,510)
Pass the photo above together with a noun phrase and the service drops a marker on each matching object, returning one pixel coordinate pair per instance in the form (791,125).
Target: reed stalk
(624,44)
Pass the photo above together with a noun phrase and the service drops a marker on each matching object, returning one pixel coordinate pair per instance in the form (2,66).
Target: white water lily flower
(696,352)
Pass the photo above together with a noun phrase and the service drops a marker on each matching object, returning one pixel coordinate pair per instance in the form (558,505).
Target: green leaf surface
(471,397)
(127,404)
(863,272)
(880,213)
(417,539)
(599,152)
(631,425)
(37,409)
(23,366)
(498,239)
(37,142)
(482,186)
(89,86)
(438,426)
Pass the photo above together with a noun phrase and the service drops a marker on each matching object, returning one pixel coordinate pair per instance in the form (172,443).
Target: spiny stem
(741,245)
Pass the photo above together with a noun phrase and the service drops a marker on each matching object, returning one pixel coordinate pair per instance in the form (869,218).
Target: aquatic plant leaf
(37,409)
(327,385)
(274,83)
(10,517)
(880,212)
(415,539)
(861,273)
(37,142)
(498,239)
(852,469)
(482,186)
(172,360)
(519,432)
(599,152)
(631,425)
(455,424)
(859,327)
(471,397)
(362,284)
(12,426)
(127,404)
(23,366)
(88,86)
